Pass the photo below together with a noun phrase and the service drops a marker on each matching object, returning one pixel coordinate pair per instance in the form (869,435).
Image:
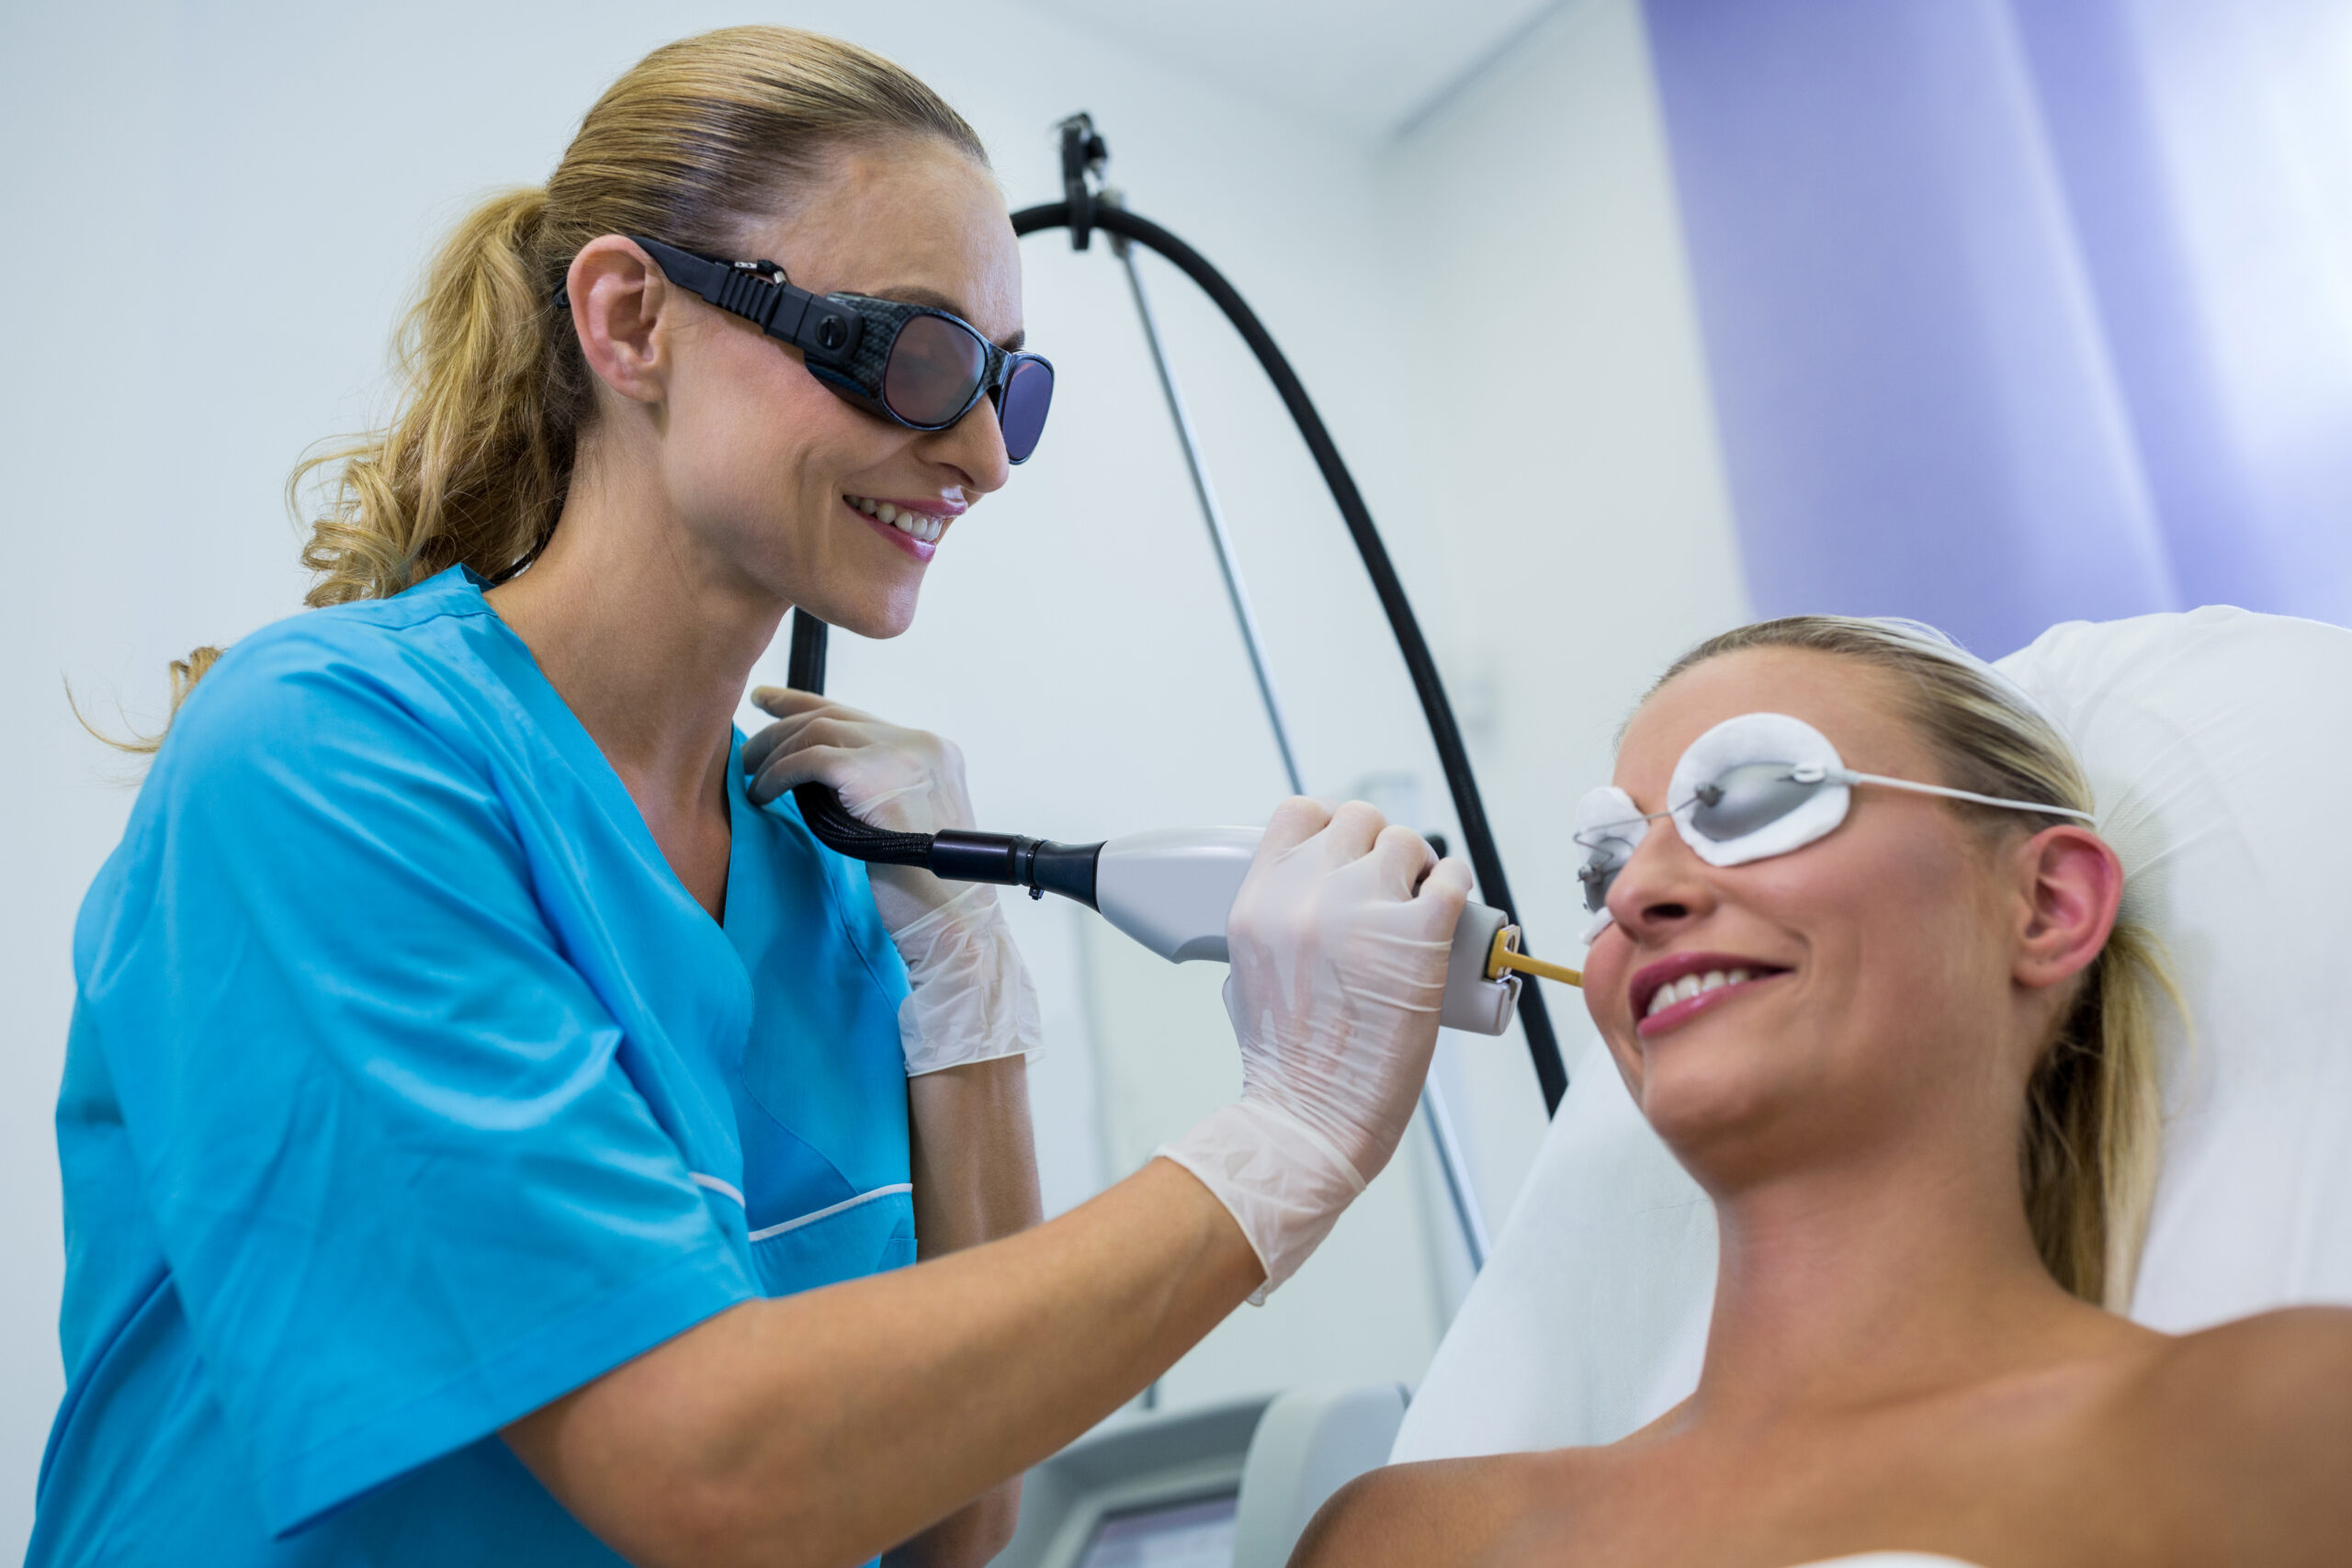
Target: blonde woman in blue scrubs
(492,1128)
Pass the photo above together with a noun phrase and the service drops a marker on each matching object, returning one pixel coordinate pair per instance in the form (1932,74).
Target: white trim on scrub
(831,1211)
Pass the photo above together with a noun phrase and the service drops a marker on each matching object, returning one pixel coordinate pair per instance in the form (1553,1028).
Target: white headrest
(2219,745)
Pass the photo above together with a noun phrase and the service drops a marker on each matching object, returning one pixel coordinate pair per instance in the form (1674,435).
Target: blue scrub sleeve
(407,1190)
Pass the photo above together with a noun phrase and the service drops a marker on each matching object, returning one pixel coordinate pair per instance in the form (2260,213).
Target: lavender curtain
(2024,311)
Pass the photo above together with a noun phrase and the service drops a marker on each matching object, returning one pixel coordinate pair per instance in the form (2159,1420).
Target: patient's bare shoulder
(2257,1416)
(1435,1514)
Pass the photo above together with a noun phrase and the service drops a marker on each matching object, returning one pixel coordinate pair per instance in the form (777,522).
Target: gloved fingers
(832,728)
(1446,889)
(875,804)
(1402,858)
(1354,829)
(909,780)
(1294,821)
(1435,904)
(1420,891)
(831,765)
(788,702)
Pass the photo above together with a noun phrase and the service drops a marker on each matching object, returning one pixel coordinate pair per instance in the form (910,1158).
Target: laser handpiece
(1171,889)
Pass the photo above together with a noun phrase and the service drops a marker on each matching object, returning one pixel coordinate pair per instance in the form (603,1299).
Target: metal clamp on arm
(1083,154)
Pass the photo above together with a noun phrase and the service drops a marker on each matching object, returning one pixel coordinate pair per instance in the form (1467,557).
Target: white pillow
(2219,745)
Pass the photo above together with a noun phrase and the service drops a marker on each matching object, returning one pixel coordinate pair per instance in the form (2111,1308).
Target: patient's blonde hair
(696,141)
(2087,1144)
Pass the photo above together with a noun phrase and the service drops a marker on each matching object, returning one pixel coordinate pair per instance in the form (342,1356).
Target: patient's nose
(1662,886)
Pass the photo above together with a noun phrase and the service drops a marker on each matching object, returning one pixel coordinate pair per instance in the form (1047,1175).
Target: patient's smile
(1675,990)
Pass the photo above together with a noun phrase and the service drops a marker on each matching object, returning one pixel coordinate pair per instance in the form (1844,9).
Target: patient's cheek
(1628,1064)
(1607,967)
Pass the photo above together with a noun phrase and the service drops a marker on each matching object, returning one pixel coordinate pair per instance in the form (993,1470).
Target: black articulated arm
(1542,1046)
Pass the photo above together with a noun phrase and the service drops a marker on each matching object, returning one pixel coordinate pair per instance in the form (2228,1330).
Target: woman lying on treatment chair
(1904,1045)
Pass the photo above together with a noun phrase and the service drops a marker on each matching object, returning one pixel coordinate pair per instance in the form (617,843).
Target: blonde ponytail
(2088,1146)
(185,673)
(700,140)
(2093,1122)
(474,466)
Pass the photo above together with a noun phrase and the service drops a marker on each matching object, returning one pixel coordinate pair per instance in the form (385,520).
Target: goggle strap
(1848,776)
(759,294)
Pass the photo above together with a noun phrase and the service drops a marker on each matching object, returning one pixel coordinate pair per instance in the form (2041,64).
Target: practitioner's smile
(1672,991)
(914,526)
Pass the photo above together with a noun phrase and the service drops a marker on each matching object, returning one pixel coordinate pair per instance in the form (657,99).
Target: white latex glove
(1340,938)
(969,998)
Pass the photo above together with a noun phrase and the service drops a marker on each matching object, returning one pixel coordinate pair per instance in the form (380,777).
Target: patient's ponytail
(2088,1153)
(697,144)
(2088,1146)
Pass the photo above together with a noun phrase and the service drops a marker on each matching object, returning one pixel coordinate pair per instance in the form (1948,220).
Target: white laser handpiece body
(1172,889)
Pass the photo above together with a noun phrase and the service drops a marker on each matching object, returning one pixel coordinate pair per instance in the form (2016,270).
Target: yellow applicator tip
(1504,955)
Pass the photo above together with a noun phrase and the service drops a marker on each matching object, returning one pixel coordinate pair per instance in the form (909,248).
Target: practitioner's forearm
(975,1165)
(822,1428)
(975,1172)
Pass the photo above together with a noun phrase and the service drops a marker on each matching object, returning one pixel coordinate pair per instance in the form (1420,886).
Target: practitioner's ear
(618,297)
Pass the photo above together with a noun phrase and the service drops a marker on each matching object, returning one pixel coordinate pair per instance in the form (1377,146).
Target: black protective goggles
(915,365)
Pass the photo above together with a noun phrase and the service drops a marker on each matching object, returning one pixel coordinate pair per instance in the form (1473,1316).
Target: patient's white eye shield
(1754,786)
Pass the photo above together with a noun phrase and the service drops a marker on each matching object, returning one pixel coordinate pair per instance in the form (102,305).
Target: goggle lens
(1740,800)
(1022,405)
(933,371)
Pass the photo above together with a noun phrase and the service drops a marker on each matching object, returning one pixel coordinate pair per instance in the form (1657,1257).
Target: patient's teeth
(888,512)
(1689,985)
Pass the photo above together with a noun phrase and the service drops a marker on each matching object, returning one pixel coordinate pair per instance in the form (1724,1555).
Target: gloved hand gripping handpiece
(970,997)
(1338,942)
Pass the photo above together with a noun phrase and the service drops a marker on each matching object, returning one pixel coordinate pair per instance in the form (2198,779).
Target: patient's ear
(2072,883)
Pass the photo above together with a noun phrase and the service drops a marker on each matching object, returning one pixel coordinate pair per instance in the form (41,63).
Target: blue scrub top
(408,1088)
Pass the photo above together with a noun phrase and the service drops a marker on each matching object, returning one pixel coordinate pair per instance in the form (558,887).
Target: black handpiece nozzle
(957,854)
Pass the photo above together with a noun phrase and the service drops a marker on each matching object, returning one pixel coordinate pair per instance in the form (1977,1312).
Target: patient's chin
(1714,1109)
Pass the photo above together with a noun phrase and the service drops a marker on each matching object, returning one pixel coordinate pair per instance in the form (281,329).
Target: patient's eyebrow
(915,295)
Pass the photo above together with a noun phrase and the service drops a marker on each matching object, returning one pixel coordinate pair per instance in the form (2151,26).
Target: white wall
(1583,525)
(217,212)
